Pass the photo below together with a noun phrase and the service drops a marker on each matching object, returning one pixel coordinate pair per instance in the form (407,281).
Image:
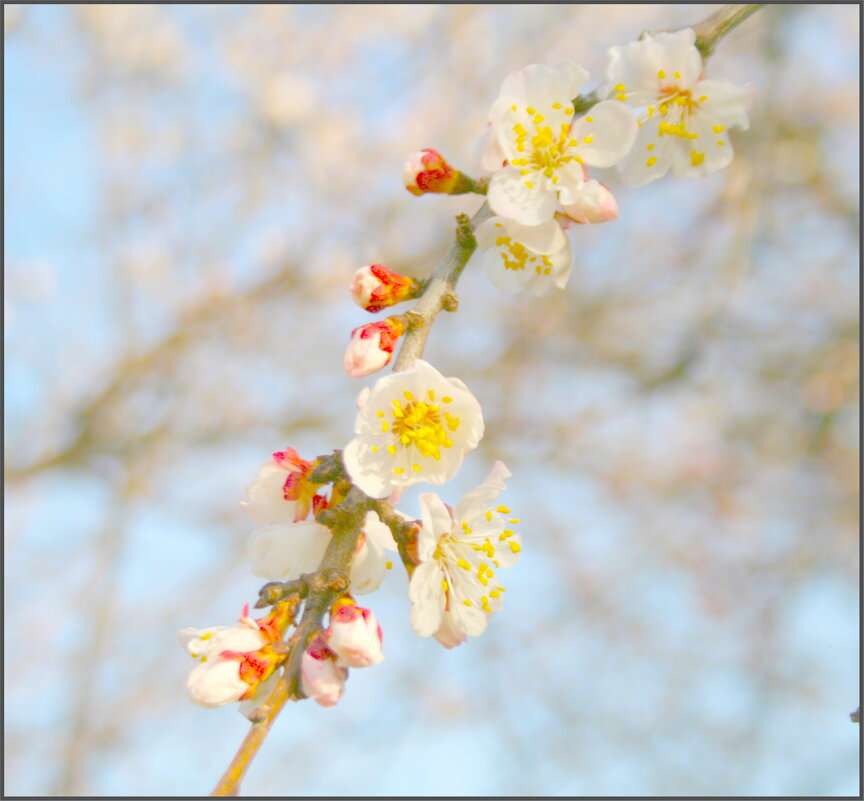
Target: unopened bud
(372,346)
(355,636)
(374,287)
(321,678)
(594,203)
(428,171)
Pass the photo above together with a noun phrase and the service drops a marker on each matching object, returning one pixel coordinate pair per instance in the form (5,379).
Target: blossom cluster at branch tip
(427,172)
(415,425)
(372,346)
(374,287)
(683,118)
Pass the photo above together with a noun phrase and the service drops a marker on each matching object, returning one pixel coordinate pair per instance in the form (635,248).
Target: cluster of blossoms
(412,426)
(416,425)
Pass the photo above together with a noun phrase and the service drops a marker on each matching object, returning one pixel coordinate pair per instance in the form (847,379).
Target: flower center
(545,151)
(424,426)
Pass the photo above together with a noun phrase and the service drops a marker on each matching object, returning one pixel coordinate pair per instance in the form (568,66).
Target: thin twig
(441,290)
(324,586)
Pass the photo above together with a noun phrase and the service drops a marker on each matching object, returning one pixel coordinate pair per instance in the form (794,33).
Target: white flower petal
(605,134)
(509,197)
(427,598)
(725,103)
(283,551)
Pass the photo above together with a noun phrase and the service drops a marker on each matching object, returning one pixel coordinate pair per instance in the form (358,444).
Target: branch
(709,32)
(440,294)
(323,587)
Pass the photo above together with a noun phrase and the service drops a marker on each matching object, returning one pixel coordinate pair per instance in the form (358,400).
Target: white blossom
(684,119)
(414,426)
(454,590)
(516,257)
(532,128)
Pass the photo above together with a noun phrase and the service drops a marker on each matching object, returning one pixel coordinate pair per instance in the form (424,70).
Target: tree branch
(440,294)
(323,587)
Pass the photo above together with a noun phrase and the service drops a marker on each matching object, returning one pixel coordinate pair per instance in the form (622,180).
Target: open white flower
(454,589)
(283,551)
(684,120)
(414,426)
(532,128)
(516,257)
(216,680)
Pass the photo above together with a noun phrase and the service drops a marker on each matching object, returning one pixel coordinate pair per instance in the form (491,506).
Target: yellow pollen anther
(463,564)
(503,509)
(588,140)
(447,399)
(408,395)
(391,449)
(719,128)
(489,515)
(416,467)
(620,87)
(514,108)
(703,98)
(485,604)
(466,602)
(514,520)
(206,636)
(696,158)
(664,108)
(494,594)
(529,184)
(589,119)
(720,142)
(677,74)
(651,162)
(515,547)
(398,471)
(388,564)
(531,110)
(374,449)
(380,413)
(430,394)
(556,105)
(649,147)
(444,585)
(385,426)
(620,96)
(661,74)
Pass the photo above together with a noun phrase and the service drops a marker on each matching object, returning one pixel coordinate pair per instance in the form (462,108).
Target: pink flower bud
(355,636)
(374,287)
(372,346)
(595,204)
(321,678)
(428,171)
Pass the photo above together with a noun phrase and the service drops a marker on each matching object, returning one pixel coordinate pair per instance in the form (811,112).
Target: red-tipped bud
(355,636)
(428,171)
(372,346)
(321,678)
(374,287)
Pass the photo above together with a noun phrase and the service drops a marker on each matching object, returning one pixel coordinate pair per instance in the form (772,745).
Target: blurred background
(188,191)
